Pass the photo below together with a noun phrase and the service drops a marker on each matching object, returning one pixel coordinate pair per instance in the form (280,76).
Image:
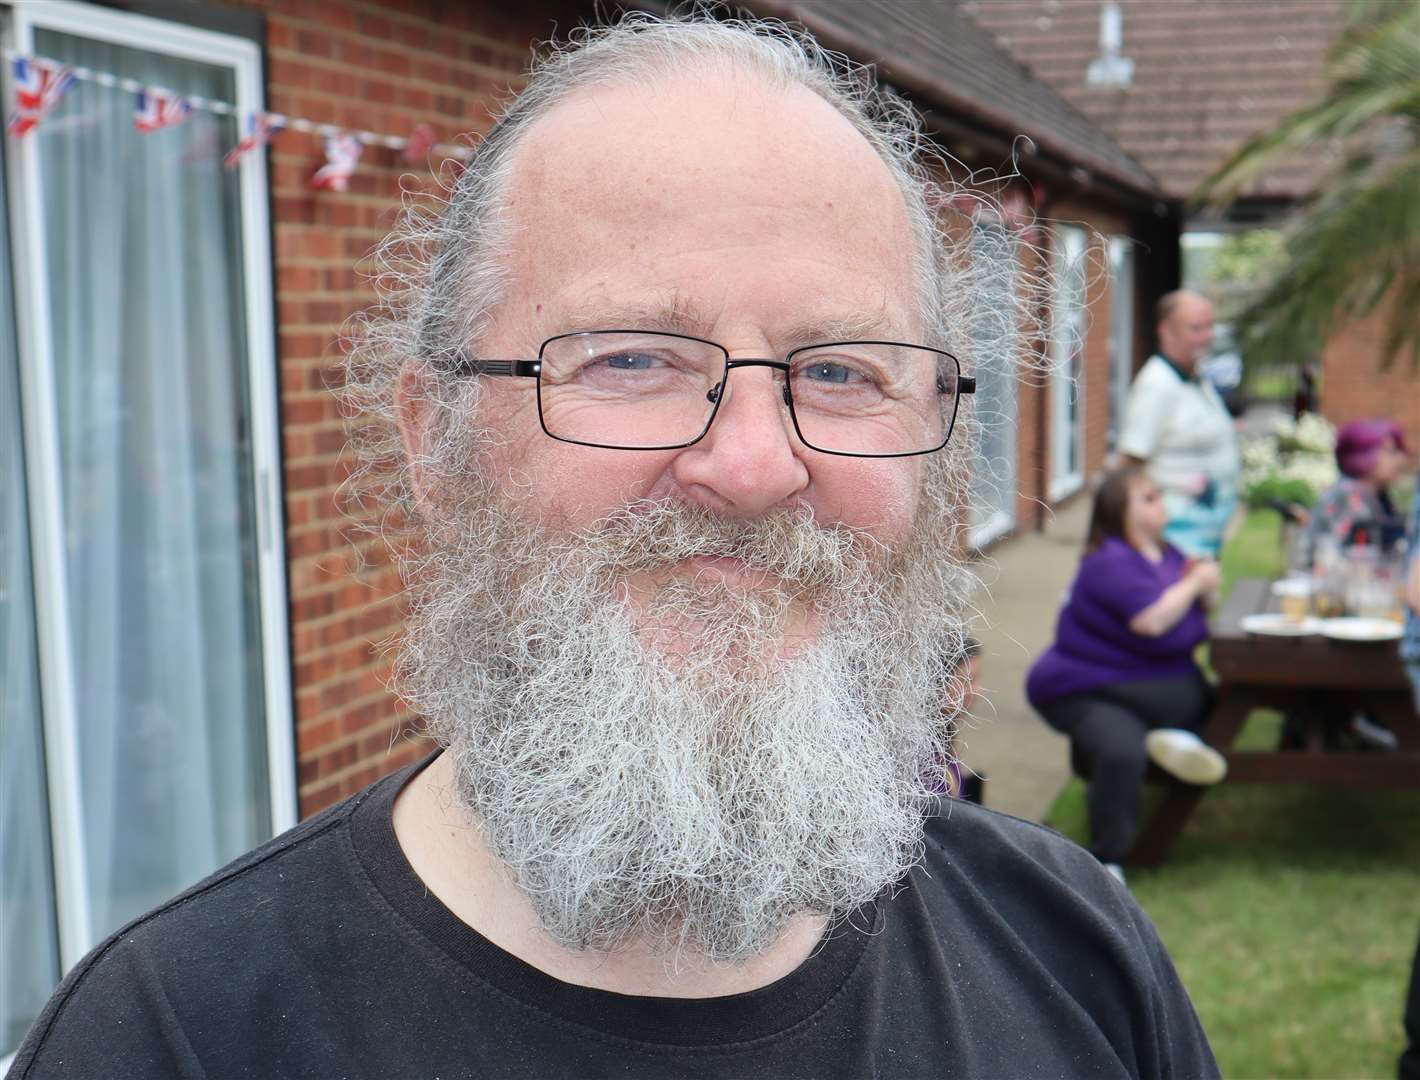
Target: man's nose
(750,461)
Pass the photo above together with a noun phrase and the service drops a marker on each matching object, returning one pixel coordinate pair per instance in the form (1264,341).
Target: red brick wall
(382,67)
(1032,430)
(1034,408)
(1102,224)
(1354,385)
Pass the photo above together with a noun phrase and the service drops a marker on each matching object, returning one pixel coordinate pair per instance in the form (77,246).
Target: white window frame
(1123,322)
(991,528)
(1065,390)
(1000,519)
(39,408)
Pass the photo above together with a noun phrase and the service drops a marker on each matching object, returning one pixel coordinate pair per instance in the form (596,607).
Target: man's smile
(726,571)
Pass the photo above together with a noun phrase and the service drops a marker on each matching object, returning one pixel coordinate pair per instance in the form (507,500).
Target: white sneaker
(1184,755)
(1372,733)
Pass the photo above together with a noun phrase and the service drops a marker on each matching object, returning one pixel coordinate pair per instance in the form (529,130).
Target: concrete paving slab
(1023,582)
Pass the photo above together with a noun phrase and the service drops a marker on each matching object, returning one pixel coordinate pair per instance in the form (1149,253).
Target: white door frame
(39,408)
(1067,389)
(1121,337)
(996,383)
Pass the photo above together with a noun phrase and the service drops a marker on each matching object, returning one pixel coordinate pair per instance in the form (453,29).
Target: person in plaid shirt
(1371,455)
(1410,643)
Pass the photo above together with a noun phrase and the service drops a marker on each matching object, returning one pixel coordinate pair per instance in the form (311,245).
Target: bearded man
(673,376)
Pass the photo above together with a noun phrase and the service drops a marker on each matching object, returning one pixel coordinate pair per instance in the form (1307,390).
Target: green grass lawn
(1291,912)
(1255,550)
(1271,384)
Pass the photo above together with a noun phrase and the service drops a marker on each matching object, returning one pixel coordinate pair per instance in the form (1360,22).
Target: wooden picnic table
(1309,677)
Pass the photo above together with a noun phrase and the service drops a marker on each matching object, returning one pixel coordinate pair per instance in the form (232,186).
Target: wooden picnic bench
(1310,678)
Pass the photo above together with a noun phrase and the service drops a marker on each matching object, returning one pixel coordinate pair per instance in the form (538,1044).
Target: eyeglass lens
(649,390)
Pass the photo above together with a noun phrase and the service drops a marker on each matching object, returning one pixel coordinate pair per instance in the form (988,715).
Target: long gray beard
(693,797)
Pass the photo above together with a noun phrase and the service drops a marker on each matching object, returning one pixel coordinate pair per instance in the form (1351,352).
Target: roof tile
(936,52)
(1208,74)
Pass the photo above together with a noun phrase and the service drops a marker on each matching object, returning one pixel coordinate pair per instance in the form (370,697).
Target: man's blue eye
(832,373)
(629,361)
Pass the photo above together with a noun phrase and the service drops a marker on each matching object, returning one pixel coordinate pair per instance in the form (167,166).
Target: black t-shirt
(1007,953)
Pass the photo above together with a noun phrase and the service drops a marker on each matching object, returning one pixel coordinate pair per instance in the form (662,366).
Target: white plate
(1361,629)
(1279,625)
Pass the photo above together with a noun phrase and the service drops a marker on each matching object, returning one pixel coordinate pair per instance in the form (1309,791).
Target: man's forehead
(624,197)
(685,134)
(665,109)
(1193,308)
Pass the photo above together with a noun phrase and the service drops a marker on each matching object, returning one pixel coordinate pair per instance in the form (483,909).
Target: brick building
(190,630)
(1208,75)
(1100,210)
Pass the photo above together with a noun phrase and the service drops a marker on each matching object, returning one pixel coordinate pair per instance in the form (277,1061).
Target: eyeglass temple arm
(467,365)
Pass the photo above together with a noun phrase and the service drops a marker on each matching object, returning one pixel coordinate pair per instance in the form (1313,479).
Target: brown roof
(1208,74)
(946,63)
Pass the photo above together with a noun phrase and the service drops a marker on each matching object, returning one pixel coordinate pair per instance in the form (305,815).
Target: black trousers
(1106,727)
(1409,1065)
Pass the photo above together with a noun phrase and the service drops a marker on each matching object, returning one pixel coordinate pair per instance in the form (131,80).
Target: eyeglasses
(633,390)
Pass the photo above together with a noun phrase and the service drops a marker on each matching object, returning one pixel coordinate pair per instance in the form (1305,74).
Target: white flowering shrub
(1312,434)
(1294,463)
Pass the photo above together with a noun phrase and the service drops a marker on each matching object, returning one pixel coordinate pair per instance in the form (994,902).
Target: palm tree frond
(1373,75)
(1353,251)
(1345,254)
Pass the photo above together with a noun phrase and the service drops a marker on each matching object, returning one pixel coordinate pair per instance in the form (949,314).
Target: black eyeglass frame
(469,365)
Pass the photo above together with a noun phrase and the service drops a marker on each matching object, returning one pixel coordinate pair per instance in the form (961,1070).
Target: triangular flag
(342,153)
(418,145)
(158,109)
(38,88)
(262,127)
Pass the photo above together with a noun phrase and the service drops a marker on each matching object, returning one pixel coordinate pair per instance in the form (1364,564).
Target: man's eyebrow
(680,315)
(670,315)
(855,326)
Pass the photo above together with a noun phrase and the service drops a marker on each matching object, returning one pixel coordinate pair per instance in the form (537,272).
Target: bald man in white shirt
(1176,424)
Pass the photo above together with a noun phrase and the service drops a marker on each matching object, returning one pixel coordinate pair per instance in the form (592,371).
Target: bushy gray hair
(441,272)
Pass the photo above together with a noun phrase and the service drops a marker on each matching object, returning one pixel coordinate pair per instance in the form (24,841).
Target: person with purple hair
(1358,508)
(1357,511)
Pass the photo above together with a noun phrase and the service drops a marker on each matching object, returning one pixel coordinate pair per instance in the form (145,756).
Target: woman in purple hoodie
(1120,679)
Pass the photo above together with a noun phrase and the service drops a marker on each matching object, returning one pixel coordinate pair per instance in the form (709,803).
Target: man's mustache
(657,535)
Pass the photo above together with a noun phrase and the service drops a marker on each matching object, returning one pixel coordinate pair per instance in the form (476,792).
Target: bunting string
(39,82)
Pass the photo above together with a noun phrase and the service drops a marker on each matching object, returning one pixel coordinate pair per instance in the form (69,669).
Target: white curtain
(991,360)
(29,945)
(144,258)
(1121,329)
(1069,324)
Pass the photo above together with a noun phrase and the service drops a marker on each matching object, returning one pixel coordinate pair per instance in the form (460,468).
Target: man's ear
(415,411)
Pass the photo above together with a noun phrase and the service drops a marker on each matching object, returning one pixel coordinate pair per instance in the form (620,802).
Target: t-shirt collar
(1183,375)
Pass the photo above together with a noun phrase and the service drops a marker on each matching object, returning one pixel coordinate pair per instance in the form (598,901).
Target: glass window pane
(142,234)
(1121,328)
(29,941)
(1069,326)
(993,334)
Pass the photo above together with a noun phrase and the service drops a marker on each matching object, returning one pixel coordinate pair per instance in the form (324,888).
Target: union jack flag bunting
(262,127)
(158,109)
(418,145)
(38,88)
(342,153)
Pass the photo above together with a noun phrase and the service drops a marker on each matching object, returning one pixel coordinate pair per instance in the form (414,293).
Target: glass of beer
(1294,597)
